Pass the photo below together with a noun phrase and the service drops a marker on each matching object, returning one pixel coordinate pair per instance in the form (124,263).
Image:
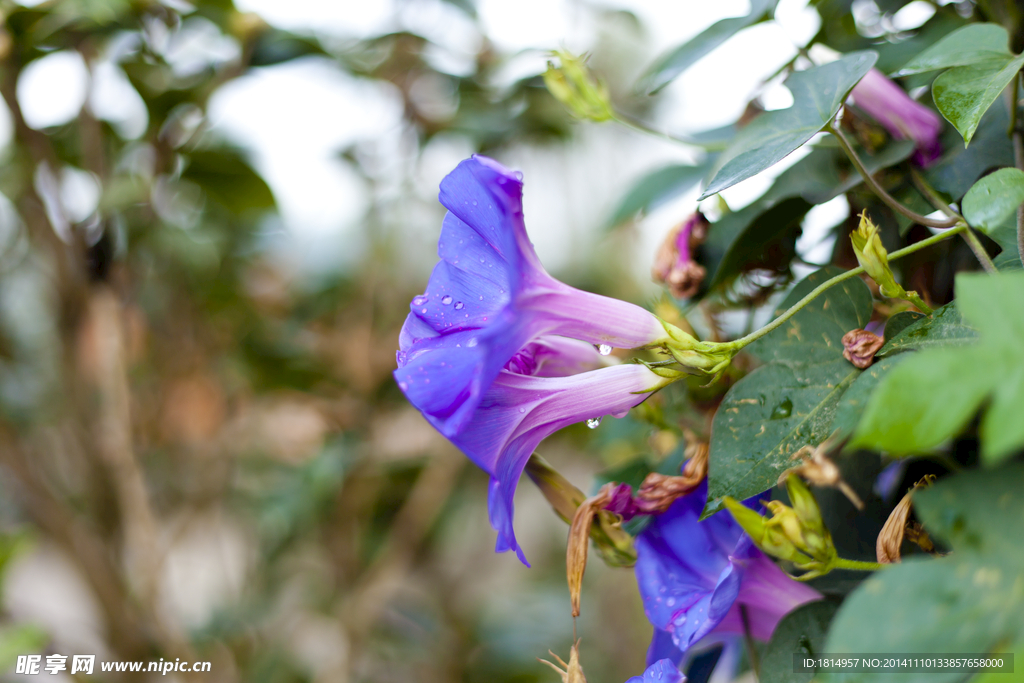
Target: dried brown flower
(659,491)
(571,672)
(890,538)
(860,346)
(818,469)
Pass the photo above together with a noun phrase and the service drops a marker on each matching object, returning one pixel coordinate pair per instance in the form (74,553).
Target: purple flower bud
(674,265)
(904,118)
(694,576)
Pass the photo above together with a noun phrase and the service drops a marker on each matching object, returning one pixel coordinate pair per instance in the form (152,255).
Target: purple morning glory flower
(490,352)
(904,118)
(695,575)
(489,297)
(662,671)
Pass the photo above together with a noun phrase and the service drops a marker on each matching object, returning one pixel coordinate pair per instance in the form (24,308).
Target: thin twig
(972,240)
(880,191)
(1018,159)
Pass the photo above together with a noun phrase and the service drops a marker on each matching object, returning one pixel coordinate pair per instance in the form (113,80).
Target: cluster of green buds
(573,85)
(874,259)
(796,533)
(710,357)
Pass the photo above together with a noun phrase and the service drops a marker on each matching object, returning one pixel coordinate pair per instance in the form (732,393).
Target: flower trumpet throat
(874,259)
(573,85)
(797,534)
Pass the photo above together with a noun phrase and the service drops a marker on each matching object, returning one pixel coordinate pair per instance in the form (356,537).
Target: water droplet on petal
(471,343)
(446,299)
(419,300)
(522,410)
(671,602)
(604,349)
(459,305)
(594,422)
(403,386)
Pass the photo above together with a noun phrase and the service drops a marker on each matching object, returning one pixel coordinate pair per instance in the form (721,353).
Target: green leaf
(932,395)
(656,188)
(802,631)
(1006,237)
(671,65)
(826,172)
(959,168)
(818,94)
(751,237)
(790,402)
(229,180)
(972,44)
(944,327)
(900,322)
(994,199)
(851,406)
(968,601)
(965,93)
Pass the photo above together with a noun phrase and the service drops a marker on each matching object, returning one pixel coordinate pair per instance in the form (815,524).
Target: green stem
(1018,157)
(879,190)
(641,127)
(793,310)
(840,563)
(972,240)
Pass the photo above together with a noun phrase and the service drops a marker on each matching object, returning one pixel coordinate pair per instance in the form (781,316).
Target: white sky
(294,118)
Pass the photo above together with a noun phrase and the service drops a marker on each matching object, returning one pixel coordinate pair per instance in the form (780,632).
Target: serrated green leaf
(656,188)
(969,601)
(818,94)
(972,44)
(790,402)
(802,631)
(931,396)
(672,65)
(994,199)
(944,327)
(963,94)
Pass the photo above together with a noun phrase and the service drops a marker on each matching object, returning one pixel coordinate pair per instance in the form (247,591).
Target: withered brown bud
(890,538)
(659,491)
(579,542)
(860,347)
(818,469)
(673,263)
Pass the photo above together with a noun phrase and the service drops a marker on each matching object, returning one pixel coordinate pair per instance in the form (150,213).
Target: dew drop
(604,349)
(446,299)
(419,300)
(594,422)
(471,343)
(403,386)
(522,410)
(459,305)
(671,602)
(783,410)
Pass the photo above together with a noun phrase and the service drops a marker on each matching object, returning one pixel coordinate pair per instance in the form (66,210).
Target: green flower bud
(574,86)
(873,257)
